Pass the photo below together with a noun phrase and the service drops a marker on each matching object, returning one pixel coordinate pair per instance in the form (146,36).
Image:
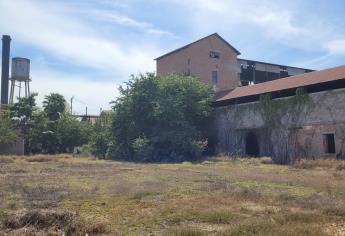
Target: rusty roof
(297,81)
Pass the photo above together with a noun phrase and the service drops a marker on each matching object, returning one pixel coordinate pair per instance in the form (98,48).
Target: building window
(329,143)
(214,55)
(214,77)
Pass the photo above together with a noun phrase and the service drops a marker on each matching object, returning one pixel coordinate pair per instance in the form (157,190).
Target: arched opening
(252,145)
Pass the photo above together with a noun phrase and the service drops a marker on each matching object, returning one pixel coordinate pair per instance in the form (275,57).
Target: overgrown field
(43,195)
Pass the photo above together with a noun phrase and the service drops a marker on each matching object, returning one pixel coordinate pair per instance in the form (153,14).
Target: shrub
(101,140)
(7,133)
(84,150)
(142,149)
(161,119)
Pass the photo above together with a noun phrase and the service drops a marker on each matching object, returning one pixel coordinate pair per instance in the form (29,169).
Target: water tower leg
(28,87)
(25,90)
(20,88)
(13,84)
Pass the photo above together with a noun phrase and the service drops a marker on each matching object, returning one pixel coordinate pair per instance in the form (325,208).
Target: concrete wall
(16,148)
(195,60)
(298,131)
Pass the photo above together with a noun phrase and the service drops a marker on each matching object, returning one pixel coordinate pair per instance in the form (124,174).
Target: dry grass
(45,158)
(266,160)
(36,158)
(53,221)
(321,163)
(219,196)
(6,159)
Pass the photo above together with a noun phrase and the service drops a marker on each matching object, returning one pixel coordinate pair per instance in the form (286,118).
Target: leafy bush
(101,140)
(142,149)
(72,133)
(84,150)
(7,132)
(160,119)
(50,131)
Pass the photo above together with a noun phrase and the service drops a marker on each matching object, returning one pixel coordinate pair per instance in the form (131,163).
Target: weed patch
(6,159)
(68,222)
(42,197)
(320,163)
(140,195)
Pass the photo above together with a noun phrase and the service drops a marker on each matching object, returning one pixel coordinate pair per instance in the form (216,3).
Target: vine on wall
(279,124)
(279,116)
(276,115)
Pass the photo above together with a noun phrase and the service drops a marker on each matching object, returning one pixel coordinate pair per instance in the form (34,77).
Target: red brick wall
(196,60)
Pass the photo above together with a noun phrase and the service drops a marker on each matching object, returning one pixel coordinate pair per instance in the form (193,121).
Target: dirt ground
(51,195)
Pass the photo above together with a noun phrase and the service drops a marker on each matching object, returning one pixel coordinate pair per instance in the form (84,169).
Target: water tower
(20,72)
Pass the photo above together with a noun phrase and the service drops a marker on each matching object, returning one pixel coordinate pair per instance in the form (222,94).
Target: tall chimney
(5,71)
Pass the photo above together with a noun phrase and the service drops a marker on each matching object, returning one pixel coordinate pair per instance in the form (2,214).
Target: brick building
(216,62)
(265,109)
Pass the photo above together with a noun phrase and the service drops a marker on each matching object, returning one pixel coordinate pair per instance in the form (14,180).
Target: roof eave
(214,34)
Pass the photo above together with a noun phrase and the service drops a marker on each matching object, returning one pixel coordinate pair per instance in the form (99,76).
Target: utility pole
(72,105)
(85,111)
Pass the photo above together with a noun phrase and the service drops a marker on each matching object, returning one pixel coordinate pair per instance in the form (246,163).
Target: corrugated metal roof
(297,81)
(273,64)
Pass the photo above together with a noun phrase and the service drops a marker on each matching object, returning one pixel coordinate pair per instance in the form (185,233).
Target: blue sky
(87,48)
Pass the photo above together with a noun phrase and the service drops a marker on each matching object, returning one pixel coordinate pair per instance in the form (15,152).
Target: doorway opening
(329,143)
(252,145)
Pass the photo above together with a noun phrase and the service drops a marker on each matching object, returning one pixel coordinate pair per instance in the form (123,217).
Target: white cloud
(55,30)
(276,23)
(336,47)
(264,29)
(87,92)
(71,40)
(114,17)
(231,15)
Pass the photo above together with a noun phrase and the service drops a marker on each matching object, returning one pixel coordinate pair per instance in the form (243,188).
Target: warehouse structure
(265,109)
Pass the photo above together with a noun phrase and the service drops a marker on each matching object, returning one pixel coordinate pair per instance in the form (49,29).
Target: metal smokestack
(5,71)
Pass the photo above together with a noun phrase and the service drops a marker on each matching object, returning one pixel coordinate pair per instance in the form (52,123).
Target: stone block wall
(16,148)
(286,129)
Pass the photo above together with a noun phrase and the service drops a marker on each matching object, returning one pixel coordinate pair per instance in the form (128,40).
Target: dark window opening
(260,76)
(215,55)
(284,74)
(329,143)
(214,77)
(252,145)
(247,76)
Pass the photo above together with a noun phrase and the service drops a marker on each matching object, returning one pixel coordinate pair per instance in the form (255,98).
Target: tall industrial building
(216,62)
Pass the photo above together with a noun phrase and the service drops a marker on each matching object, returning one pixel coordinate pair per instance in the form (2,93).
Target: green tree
(38,128)
(72,133)
(101,138)
(7,132)
(161,118)
(22,113)
(23,109)
(54,105)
